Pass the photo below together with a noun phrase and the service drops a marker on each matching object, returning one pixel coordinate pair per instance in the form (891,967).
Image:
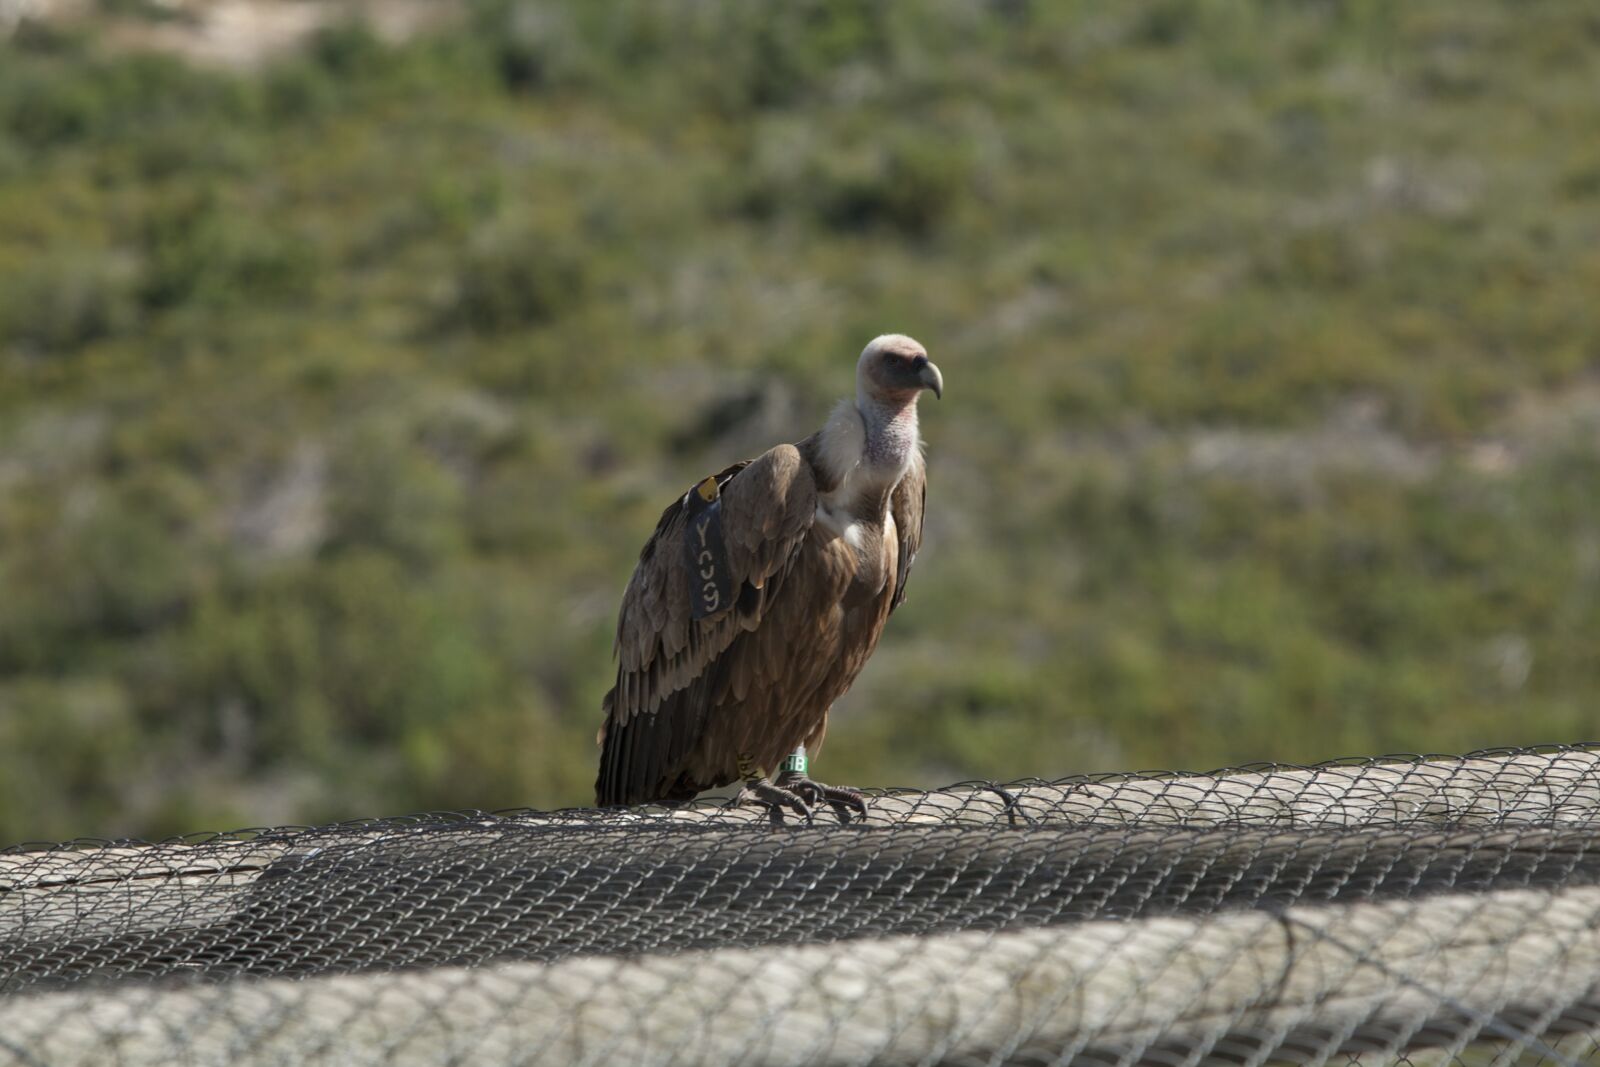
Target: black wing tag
(705,553)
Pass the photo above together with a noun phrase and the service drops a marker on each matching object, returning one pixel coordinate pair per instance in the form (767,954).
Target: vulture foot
(774,798)
(842,799)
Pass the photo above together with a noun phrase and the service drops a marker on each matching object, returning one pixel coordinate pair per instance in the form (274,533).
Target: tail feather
(641,760)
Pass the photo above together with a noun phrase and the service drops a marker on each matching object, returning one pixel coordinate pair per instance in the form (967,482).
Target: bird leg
(757,789)
(842,799)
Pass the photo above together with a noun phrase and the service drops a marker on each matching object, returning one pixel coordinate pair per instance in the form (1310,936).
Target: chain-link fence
(1426,909)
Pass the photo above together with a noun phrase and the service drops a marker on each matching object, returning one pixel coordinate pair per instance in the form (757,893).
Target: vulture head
(894,369)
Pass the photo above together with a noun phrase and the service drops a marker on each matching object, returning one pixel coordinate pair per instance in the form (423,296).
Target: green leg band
(795,763)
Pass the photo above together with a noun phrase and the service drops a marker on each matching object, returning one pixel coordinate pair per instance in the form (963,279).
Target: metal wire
(1438,909)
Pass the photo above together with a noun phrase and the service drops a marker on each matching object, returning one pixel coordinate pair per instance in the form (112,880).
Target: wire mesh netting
(1428,910)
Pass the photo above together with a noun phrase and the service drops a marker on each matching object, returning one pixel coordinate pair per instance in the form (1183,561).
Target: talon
(842,799)
(775,798)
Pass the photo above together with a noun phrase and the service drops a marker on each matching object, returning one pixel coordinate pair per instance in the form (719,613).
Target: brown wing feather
(669,665)
(906,505)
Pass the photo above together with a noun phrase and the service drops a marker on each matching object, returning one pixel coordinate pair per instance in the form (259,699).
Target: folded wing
(670,665)
(906,506)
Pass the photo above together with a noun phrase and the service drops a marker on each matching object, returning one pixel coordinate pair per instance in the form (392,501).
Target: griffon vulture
(759,597)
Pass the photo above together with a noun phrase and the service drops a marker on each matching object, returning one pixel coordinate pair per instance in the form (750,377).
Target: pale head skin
(893,371)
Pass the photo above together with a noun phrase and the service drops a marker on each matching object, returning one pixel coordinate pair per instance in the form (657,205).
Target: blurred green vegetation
(337,397)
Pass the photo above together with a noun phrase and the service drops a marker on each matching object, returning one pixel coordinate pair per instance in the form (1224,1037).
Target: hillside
(338,393)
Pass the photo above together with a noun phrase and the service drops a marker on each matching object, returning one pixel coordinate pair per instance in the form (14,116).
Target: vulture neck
(866,448)
(890,430)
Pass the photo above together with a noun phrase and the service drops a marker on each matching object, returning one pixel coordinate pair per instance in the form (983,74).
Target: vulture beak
(929,376)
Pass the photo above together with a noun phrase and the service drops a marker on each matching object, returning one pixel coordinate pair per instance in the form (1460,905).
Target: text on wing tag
(705,553)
